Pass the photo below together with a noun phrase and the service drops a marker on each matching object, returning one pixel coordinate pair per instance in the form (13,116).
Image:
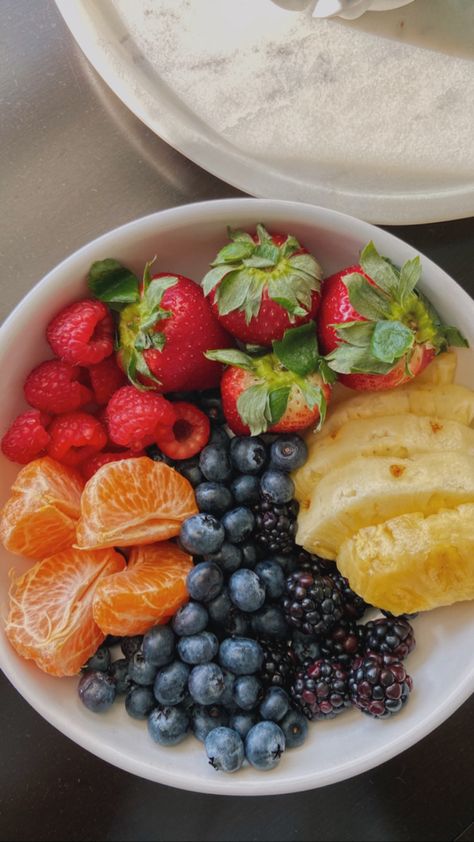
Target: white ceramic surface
(370,117)
(443,664)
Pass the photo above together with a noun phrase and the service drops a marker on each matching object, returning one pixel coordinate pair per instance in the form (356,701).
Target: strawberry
(280,392)
(165,325)
(376,329)
(261,285)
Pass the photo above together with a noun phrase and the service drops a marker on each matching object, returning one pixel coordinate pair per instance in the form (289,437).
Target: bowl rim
(168,218)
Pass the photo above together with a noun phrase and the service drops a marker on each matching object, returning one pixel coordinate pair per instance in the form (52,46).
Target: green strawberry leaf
(155,290)
(314,396)
(454,337)
(289,247)
(256,262)
(263,235)
(237,234)
(231,356)
(268,251)
(234,252)
(366,299)
(214,276)
(391,340)
(158,340)
(293,290)
(233,291)
(348,359)
(278,402)
(379,269)
(410,274)
(308,264)
(355,333)
(113,283)
(253,299)
(254,409)
(291,308)
(298,350)
(329,376)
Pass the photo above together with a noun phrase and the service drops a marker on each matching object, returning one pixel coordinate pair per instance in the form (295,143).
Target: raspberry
(83,333)
(53,386)
(188,435)
(26,438)
(135,418)
(106,378)
(75,437)
(91,465)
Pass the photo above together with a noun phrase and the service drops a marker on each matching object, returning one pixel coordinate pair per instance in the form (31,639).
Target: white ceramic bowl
(443,664)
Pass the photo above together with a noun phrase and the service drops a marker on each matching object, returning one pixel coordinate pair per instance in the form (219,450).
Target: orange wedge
(136,501)
(40,516)
(51,620)
(148,592)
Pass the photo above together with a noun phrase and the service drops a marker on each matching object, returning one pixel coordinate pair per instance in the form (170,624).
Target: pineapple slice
(412,562)
(368,491)
(400,436)
(440,371)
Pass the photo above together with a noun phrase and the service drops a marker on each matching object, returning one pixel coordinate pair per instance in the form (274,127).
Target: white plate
(443,663)
(286,106)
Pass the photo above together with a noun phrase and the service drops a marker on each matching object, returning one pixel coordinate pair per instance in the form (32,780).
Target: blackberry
(305,649)
(389,636)
(312,603)
(278,667)
(343,643)
(379,685)
(354,606)
(275,526)
(321,690)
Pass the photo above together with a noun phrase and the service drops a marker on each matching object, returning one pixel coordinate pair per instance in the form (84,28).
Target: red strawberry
(165,326)
(281,392)
(377,330)
(188,435)
(261,285)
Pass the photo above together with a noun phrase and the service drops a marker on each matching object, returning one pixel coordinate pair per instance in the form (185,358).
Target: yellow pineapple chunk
(368,491)
(413,562)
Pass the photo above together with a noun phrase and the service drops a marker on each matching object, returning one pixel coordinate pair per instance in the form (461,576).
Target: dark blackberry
(275,526)
(389,636)
(405,616)
(305,649)
(321,690)
(354,605)
(379,685)
(278,667)
(312,603)
(343,643)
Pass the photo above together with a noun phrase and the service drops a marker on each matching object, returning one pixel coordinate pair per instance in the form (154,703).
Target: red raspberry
(53,386)
(188,435)
(90,466)
(26,438)
(75,437)
(106,378)
(83,333)
(134,417)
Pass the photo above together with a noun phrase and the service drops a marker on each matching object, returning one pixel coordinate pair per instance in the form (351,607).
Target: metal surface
(73,164)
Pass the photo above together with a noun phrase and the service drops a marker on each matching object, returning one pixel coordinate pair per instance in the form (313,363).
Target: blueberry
(229,557)
(158,645)
(245,489)
(246,590)
(275,705)
(271,574)
(241,655)
(99,661)
(248,454)
(237,624)
(201,534)
(206,684)
(243,721)
(219,437)
(215,464)
(189,468)
(213,497)
(191,618)
(97,691)
(204,581)
(225,749)
(277,486)
(130,645)
(238,524)
(249,554)
(248,691)
(139,702)
(288,453)
(171,684)
(270,622)
(198,648)
(264,745)
(295,728)
(220,608)
(205,719)
(141,671)
(119,673)
(168,725)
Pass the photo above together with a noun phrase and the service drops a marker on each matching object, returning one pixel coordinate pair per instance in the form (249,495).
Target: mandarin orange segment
(148,592)
(40,516)
(51,619)
(136,501)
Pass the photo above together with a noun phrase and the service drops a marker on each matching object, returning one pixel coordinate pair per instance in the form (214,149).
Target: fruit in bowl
(255,636)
